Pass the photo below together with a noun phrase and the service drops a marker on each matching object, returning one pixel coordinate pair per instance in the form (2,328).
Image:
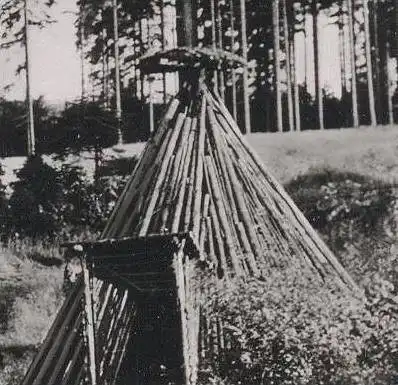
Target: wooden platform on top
(186,58)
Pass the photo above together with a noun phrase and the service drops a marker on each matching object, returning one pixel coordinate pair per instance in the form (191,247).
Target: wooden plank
(89,324)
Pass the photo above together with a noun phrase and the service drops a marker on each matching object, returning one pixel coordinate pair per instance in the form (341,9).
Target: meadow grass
(31,272)
(368,151)
(30,295)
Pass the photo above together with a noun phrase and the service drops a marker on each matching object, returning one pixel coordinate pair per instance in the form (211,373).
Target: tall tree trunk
(297,113)
(117,72)
(188,19)
(317,77)
(164,43)
(354,90)
(277,66)
(220,46)
(288,67)
(343,57)
(378,60)
(29,101)
(214,38)
(104,69)
(142,49)
(246,102)
(389,85)
(151,112)
(233,75)
(372,108)
(82,53)
(305,48)
(342,49)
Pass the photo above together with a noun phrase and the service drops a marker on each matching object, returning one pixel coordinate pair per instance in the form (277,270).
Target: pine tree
(277,68)
(354,92)
(16,19)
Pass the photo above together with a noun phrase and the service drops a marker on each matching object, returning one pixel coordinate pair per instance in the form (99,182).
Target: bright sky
(54,60)
(56,68)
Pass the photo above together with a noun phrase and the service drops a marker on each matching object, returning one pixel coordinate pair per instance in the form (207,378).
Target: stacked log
(197,174)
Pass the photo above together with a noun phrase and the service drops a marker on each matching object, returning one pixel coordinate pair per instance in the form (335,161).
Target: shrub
(35,198)
(49,203)
(289,331)
(355,215)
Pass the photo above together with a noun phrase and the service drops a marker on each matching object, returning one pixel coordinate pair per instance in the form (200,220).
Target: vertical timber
(117,72)
(89,325)
(246,101)
(354,90)
(29,100)
(233,74)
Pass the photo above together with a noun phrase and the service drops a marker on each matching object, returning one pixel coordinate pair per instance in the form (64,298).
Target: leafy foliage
(356,215)
(288,331)
(64,202)
(13,124)
(85,126)
(33,204)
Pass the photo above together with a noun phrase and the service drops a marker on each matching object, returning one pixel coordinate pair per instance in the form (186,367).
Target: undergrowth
(30,296)
(356,215)
(280,331)
(288,331)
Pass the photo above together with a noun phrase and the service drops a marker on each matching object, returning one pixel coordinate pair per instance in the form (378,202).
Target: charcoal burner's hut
(199,207)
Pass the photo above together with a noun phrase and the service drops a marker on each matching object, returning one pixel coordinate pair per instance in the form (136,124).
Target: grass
(30,296)
(371,152)
(31,273)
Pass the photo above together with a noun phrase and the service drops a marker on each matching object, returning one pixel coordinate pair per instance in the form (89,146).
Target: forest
(282,88)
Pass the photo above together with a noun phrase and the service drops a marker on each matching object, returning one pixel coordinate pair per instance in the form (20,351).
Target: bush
(355,215)
(288,331)
(49,203)
(35,199)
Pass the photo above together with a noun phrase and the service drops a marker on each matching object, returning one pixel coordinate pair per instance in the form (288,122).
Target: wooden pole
(29,100)
(151,113)
(89,314)
(117,72)
(246,101)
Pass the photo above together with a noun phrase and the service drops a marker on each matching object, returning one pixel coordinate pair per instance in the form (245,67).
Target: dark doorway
(154,355)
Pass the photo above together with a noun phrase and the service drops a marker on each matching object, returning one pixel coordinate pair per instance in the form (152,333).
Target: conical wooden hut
(198,199)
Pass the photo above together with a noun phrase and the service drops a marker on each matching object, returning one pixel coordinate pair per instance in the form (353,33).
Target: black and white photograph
(198,192)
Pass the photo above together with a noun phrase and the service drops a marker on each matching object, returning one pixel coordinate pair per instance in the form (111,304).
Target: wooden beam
(89,324)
